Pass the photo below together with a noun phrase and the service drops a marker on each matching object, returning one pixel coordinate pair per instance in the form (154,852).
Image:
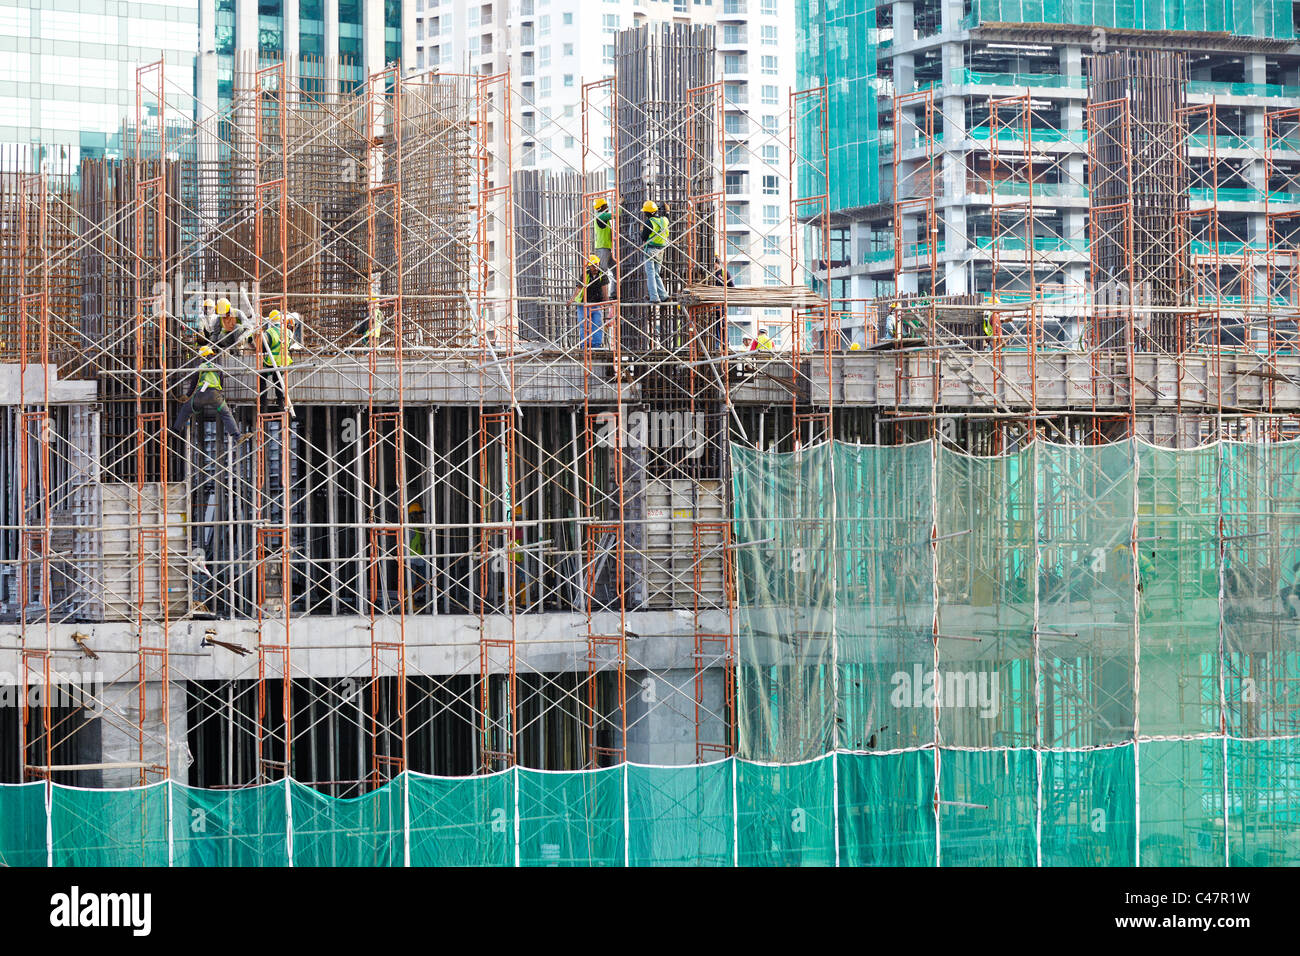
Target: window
(733,63)
(769,8)
(733,34)
(568,49)
(736,123)
(771,215)
(735,94)
(544,85)
(771,154)
(771,245)
(771,186)
(770,277)
(487,43)
(544,57)
(609,53)
(472,18)
(769,36)
(769,123)
(771,97)
(769,66)
(568,79)
(544,24)
(474,51)
(610,21)
(735,183)
(568,19)
(568,142)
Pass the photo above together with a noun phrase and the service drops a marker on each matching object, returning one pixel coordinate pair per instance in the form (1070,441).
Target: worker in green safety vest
(655,235)
(205,394)
(604,233)
(275,346)
(415,557)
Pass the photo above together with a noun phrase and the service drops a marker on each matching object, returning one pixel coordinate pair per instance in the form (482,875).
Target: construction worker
(722,275)
(590,292)
(415,556)
(516,549)
(989,325)
(763,343)
(204,393)
(276,345)
(207,322)
(604,233)
(371,327)
(654,233)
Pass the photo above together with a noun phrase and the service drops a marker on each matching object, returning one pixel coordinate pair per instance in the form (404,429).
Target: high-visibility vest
(209,377)
(277,352)
(658,231)
(604,230)
(376,324)
(765,343)
(417,543)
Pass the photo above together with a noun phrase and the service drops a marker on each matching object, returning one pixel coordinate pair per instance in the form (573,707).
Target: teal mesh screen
(364,831)
(1258,18)
(110,827)
(785,815)
(571,819)
(681,816)
(230,827)
(886,809)
(22,825)
(467,821)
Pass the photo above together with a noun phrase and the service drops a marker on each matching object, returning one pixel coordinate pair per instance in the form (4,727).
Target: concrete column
(904,32)
(372,40)
(956,271)
(331,12)
(291,41)
(408,37)
(952,13)
(246,37)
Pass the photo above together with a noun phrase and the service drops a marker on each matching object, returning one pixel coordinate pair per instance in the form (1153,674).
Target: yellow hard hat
(649,206)
(209,304)
(207,351)
(223,306)
(273,315)
(602,202)
(593,260)
(414,506)
(854,347)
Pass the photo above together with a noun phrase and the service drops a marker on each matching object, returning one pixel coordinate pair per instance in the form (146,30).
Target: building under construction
(934,582)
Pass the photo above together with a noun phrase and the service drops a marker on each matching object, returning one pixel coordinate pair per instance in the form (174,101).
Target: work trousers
(205,401)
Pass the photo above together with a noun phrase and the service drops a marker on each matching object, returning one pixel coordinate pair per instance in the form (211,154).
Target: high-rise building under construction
(989,561)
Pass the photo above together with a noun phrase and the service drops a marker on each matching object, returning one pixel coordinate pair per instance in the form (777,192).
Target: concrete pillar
(904,32)
(331,46)
(290,41)
(956,272)
(660,711)
(372,40)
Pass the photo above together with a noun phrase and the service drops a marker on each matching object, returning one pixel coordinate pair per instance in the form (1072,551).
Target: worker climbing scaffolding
(205,394)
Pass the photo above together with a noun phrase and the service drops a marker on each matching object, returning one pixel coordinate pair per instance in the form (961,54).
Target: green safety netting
(1258,18)
(1029,613)
(1158,802)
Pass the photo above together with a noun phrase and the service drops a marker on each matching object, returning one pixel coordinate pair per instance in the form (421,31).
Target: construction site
(999,568)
